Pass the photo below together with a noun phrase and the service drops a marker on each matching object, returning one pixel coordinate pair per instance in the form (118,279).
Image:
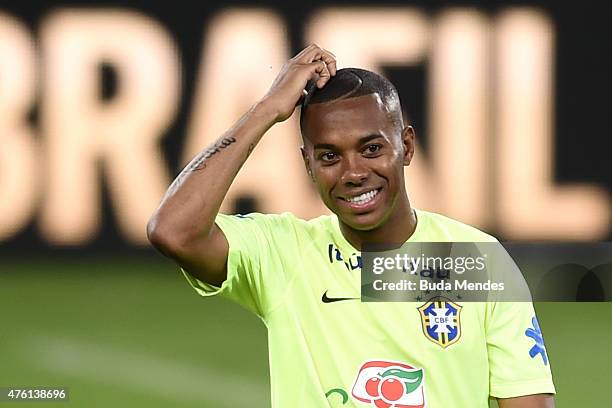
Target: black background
(583,70)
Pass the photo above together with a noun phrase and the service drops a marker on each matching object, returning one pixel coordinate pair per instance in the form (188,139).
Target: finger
(327,57)
(320,69)
(330,61)
(313,53)
(300,57)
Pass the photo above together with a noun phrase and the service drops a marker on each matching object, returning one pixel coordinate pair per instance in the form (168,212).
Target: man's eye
(328,156)
(373,148)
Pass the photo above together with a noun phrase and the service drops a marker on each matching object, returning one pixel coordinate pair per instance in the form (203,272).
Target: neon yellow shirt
(326,352)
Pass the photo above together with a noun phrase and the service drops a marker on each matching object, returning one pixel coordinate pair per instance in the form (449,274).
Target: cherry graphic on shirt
(392,389)
(371,386)
(389,385)
(385,391)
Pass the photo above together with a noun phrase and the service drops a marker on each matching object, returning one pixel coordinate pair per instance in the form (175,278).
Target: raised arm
(183,226)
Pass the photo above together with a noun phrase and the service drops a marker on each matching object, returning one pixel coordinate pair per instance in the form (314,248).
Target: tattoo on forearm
(199,162)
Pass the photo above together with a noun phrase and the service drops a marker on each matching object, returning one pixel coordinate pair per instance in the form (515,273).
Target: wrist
(265,110)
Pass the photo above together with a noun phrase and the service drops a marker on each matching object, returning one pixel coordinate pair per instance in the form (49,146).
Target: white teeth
(363,198)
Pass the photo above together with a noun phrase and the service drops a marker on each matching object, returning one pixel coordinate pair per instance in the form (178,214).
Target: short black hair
(350,83)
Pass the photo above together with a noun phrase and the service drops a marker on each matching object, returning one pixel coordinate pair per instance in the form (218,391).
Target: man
(302,277)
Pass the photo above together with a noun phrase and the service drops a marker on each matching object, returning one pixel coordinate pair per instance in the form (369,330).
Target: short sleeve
(254,276)
(518,361)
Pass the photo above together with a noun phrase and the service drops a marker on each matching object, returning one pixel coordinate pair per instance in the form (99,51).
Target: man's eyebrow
(368,138)
(324,146)
(360,141)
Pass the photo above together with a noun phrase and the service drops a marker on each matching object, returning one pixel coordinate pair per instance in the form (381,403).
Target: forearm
(528,401)
(183,227)
(193,200)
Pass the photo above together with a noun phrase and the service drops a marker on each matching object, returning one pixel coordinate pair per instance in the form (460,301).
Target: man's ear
(306,162)
(408,140)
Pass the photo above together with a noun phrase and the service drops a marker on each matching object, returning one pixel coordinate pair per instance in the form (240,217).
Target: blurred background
(102,104)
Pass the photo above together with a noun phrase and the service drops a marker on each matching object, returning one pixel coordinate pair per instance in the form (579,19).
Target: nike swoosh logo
(326,299)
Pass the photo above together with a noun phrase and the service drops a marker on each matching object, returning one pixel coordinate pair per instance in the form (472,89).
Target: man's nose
(355,173)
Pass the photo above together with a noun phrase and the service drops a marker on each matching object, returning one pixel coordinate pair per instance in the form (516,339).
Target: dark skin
(528,401)
(364,150)
(351,147)
(183,226)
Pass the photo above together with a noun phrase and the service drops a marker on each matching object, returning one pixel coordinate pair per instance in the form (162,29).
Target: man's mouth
(363,198)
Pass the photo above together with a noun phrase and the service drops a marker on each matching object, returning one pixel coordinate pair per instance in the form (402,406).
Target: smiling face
(355,151)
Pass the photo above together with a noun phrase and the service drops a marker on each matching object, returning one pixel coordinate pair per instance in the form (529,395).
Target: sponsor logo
(390,384)
(351,263)
(326,299)
(536,334)
(441,322)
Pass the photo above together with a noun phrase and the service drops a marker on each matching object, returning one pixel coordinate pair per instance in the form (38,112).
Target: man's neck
(396,230)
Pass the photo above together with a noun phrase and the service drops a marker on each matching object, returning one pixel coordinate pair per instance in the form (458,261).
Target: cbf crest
(441,322)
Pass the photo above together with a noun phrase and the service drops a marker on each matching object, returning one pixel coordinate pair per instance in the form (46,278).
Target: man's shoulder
(438,225)
(285,221)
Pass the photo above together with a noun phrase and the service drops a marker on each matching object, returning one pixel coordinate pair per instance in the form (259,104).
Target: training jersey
(328,349)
